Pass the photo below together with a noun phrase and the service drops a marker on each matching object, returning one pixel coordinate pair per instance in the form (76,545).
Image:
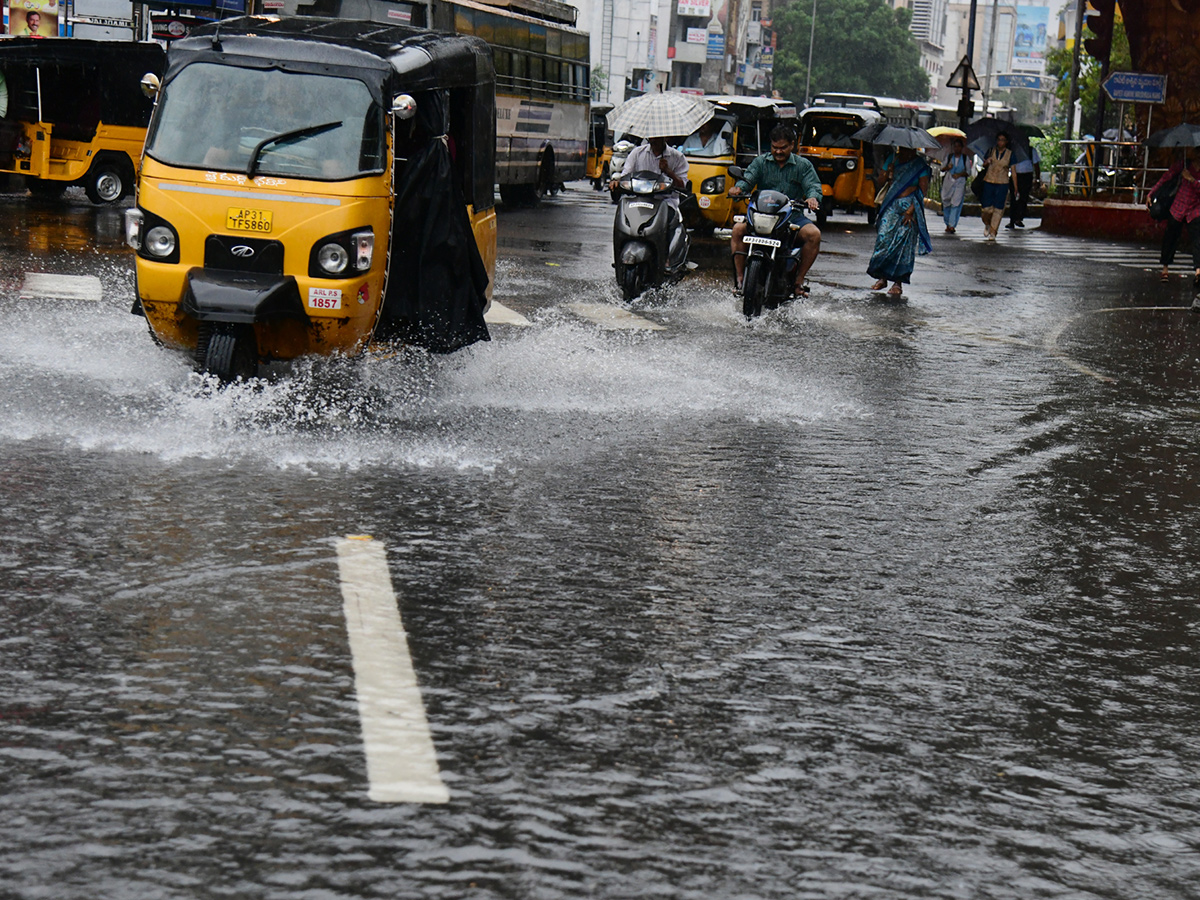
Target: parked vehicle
(771,257)
(312,183)
(600,149)
(620,152)
(75,114)
(744,126)
(650,241)
(844,165)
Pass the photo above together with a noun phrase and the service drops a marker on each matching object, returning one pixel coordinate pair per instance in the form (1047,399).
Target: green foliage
(861,47)
(599,81)
(1058,65)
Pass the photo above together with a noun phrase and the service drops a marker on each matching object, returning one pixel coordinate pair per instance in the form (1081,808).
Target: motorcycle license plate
(766,242)
(239,219)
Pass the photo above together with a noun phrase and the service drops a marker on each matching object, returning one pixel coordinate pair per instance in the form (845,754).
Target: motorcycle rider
(656,155)
(784,171)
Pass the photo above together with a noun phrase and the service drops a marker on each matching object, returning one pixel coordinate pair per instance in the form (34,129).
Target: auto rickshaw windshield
(829,131)
(303,125)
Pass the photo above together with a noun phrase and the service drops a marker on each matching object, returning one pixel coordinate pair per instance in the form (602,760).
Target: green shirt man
(784,171)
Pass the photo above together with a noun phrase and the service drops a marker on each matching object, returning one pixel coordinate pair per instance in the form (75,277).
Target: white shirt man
(656,155)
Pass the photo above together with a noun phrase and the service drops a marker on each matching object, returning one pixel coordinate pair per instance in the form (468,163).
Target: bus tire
(108,181)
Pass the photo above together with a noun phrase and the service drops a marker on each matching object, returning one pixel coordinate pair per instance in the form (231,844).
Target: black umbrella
(982,133)
(897,136)
(1182,135)
(1031,131)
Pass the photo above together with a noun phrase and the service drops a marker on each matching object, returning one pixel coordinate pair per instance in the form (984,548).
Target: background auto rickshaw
(74,113)
(844,165)
(600,149)
(742,127)
(311,183)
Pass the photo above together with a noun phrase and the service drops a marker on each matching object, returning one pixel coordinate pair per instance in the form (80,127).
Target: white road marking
(613,318)
(401,761)
(44,286)
(499,314)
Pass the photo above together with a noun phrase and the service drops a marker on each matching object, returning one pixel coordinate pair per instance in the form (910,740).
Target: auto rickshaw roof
(399,56)
(143,56)
(760,106)
(859,112)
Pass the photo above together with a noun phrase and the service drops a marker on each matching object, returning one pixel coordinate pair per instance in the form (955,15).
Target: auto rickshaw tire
(230,352)
(752,287)
(40,187)
(108,181)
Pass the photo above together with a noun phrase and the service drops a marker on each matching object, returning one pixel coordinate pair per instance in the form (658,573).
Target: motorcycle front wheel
(752,286)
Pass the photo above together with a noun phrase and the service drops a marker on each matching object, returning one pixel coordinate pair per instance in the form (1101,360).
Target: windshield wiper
(286,138)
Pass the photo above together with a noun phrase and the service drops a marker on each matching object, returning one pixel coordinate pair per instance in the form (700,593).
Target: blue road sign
(1136,87)
(1033,82)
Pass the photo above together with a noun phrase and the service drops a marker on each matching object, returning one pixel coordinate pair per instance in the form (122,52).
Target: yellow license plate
(239,219)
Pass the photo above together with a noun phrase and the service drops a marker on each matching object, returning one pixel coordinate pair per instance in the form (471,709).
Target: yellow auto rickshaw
(845,165)
(311,183)
(600,149)
(72,113)
(737,134)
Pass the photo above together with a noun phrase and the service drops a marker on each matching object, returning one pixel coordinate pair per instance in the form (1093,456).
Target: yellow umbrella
(944,130)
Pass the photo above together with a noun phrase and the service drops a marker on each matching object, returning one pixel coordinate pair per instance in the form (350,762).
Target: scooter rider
(656,155)
(782,170)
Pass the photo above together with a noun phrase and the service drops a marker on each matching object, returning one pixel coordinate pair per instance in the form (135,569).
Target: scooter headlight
(333,259)
(763,223)
(160,241)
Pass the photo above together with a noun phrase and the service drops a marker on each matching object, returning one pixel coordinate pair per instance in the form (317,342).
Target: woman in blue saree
(901,222)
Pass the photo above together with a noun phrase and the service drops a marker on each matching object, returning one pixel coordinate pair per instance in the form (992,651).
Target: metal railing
(1118,171)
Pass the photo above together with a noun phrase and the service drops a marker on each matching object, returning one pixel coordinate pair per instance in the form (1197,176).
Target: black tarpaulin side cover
(437,281)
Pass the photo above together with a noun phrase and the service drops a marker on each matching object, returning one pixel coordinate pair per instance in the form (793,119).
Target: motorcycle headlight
(160,241)
(763,223)
(851,165)
(714,185)
(333,259)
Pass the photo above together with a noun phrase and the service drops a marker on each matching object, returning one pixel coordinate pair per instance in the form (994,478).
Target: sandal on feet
(1164,277)
(896,291)
(800,291)
(879,285)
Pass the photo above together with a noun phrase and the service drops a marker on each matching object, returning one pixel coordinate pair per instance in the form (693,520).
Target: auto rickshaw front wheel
(227,351)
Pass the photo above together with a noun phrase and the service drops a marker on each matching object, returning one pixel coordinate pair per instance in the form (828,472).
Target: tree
(861,47)
(1058,65)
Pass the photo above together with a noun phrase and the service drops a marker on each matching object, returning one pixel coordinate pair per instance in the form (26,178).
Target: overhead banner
(36,18)
(695,8)
(1029,42)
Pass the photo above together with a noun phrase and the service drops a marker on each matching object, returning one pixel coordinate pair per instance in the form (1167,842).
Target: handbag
(1161,200)
(977,184)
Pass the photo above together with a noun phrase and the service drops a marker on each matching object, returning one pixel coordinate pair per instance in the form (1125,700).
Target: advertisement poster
(695,8)
(1029,42)
(33,18)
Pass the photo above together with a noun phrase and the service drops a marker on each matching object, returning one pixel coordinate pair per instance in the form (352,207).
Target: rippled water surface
(856,601)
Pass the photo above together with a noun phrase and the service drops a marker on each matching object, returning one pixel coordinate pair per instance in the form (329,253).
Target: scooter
(650,242)
(771,258)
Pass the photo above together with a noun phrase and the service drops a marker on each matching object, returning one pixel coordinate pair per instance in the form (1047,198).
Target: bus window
(537,73)
(485,26)
(554,39)
(537,38)
(553,77)
(520,67)
(464,20)
(502,59)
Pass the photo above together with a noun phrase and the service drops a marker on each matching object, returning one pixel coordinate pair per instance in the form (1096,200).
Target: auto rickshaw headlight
(714,185)
(851,165)
(364,249)
(333,258)
(133,228)
(160,241)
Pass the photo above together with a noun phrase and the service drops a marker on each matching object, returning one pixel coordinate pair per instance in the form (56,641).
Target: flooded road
(857,600)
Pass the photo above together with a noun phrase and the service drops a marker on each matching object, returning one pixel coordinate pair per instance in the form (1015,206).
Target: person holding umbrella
(1185,208)
(901,222)
(956,170)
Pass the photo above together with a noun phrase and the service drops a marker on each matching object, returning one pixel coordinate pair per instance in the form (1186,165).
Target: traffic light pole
(1078,48)
(964,105)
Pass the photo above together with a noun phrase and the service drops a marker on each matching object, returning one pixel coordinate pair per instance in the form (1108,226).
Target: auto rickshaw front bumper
(215,295)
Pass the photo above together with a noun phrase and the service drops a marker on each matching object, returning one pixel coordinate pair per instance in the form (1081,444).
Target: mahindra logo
(242,251)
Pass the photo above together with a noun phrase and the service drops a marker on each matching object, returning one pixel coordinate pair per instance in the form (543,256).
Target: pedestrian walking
(1185,210)
(1028,172)
(956,170)
(901,223)
(997,176)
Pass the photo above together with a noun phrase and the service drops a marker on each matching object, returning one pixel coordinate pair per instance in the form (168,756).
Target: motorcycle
(771,258)
(650,243)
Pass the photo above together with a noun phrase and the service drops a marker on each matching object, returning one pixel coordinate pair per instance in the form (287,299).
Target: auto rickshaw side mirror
(404,106)
(150,85)
(736,171)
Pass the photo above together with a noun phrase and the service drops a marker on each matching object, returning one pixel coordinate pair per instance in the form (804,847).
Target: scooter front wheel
(753,284)
(632,282)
